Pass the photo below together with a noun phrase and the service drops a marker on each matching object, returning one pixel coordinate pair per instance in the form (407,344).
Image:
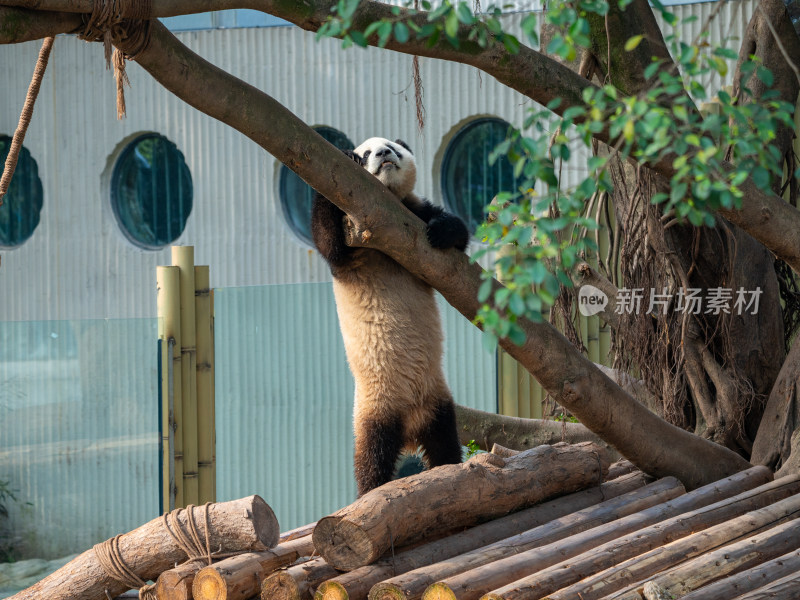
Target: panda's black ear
(404,145)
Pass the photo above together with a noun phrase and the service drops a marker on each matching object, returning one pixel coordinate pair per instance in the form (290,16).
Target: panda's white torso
(393,338)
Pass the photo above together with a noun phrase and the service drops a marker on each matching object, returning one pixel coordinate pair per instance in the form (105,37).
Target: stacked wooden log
(533,525)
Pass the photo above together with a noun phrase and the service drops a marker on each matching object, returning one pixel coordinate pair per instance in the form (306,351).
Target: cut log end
(280,586)
(653,591)
(386,591)
(265,523)
(331,590)
(209,585)
(176,584)
(439,591)
(328,536)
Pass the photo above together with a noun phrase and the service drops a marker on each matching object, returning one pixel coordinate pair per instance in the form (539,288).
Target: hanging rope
(418,90)
(124,28)
(25,116)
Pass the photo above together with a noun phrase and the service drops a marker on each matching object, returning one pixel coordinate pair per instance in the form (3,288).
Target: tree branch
(23,25)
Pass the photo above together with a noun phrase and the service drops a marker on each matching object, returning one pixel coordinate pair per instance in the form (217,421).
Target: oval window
(151,191)
(469,182)
(22,204)
(297,196)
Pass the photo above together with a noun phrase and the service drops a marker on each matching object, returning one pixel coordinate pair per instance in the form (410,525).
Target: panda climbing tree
(391,327)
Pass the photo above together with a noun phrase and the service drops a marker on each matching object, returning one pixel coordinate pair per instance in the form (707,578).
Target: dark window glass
(151,191)
(19,214)
(297,196)
(469,182)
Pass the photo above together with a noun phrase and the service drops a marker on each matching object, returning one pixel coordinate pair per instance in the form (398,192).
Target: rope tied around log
(110,558)
(25,116)
(190,544)
(124,28)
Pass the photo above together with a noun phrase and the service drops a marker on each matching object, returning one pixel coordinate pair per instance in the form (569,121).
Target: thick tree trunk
(356,584)
(696,573)
(749,580)
(641,531)
(719,523)
(413,584)
(774,442)
(235,526)
(453,496)
(240,576)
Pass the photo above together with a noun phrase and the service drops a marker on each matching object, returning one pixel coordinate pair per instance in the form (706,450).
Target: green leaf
(401,32)
(489,341)
(678,192)
(511,43)
(761,177)
(516,334)
(723,52)
(384,32)
(631,44)
(347,8)
(659,198)
(359,38)
(485,290)
(465,14)
(554,104)
(516,304)
(451,25)
(765,75)
(651,70)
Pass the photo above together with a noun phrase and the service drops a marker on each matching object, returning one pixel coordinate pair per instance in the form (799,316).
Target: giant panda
(391,327)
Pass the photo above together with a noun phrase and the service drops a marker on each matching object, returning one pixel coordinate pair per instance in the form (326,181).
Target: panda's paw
(447,231)
(353,156)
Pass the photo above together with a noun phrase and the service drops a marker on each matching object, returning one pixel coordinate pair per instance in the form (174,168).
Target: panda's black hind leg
(440,438)
(378,444)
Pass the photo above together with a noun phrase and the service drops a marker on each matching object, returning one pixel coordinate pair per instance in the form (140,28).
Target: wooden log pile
(547,523)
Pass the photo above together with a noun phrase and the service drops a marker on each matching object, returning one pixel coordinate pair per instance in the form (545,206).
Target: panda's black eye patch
(395,150)
(366,155)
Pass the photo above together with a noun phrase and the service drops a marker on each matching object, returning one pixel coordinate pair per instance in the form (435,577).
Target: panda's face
(391,162)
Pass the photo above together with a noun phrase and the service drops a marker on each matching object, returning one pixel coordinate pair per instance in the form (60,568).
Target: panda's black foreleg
(445,230)
(440,438)
(378,444)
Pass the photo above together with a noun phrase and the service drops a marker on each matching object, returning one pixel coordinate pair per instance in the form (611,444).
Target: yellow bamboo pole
(524,383)
(213,384)
(205,386)
(169,331)
(183,258)
(167,463)
(537,399)
(508,392)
